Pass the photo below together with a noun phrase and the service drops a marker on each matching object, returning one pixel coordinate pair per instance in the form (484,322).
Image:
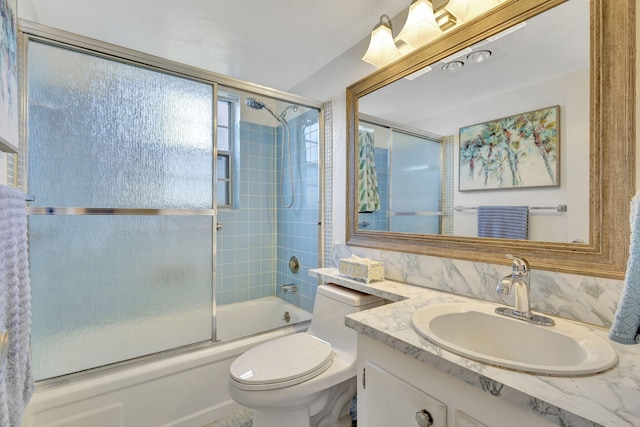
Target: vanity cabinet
(395,389)
(391,401)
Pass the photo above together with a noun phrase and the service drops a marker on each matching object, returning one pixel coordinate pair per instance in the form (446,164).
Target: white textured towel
(16,382)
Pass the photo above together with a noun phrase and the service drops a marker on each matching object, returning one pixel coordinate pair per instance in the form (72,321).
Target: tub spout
(289,288)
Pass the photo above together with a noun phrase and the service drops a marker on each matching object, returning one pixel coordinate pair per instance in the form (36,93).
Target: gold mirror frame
(612,145)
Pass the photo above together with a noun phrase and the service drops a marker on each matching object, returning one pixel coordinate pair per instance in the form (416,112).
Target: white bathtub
(239,319)
(180,388)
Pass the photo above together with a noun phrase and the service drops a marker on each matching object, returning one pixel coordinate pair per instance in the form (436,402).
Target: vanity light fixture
(421,26)
(453,66)
(445,19)
(382,49)
(426,21)
(478,56)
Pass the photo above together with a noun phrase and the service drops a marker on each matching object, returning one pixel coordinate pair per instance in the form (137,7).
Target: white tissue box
(362,268)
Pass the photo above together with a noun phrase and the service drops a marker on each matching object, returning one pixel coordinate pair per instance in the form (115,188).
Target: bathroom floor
(245,418)
(240,419)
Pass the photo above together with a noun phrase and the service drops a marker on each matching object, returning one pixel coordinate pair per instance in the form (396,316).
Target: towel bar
(558,208)
(38,210)
(401,213)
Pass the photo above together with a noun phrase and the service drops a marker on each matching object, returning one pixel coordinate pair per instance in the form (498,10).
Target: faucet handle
(519,266)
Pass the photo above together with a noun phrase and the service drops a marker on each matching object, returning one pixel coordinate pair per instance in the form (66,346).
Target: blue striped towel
(507,222)
(626,323)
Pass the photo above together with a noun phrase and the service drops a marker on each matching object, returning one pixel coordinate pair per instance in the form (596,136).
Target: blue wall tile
(258,238)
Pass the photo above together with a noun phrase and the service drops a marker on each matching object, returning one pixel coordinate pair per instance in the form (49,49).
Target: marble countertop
(610,398)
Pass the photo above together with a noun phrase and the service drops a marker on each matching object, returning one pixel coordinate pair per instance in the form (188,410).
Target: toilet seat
(282,362)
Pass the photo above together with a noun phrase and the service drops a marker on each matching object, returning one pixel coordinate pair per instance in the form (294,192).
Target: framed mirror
(428,129)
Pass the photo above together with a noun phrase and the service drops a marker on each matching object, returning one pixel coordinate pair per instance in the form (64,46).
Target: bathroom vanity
(396,389)
(405,379)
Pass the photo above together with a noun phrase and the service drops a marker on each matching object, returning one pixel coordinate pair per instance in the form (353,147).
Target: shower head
(255,103)
(259,105)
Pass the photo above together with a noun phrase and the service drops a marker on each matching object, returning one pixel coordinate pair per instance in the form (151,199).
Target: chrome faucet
(520,280)
(289,288)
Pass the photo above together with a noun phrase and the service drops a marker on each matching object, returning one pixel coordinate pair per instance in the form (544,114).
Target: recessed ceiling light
(453,66)
(456,55)
(479,56)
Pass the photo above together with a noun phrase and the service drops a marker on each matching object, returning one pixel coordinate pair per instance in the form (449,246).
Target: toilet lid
(282,362)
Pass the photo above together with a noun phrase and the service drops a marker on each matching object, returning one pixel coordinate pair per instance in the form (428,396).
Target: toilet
(305,379)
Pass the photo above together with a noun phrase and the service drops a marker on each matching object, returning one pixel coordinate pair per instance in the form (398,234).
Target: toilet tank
(332,304)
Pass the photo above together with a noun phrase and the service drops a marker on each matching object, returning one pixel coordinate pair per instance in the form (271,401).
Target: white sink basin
(475,331)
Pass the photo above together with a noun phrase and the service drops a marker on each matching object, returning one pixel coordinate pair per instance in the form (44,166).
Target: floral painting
(8,76)
(513,152)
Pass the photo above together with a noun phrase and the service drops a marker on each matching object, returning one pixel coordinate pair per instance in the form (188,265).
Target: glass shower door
(416,184)
(121,232)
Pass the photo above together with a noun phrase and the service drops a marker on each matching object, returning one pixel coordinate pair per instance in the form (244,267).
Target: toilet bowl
(305,379)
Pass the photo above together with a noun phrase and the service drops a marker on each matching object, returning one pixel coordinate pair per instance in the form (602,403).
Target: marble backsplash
(591,300)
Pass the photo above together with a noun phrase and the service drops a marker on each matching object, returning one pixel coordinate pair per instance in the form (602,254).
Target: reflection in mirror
(401,156)
(540,63)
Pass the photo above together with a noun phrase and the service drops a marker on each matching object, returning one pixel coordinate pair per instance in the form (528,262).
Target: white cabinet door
(396,386)
(391,402)
(464,420)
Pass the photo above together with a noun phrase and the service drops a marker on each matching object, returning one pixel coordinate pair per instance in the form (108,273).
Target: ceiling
(276,43)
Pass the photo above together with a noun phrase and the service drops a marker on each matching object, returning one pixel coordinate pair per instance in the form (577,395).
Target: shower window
(120,161)
(311,138)
(224,160)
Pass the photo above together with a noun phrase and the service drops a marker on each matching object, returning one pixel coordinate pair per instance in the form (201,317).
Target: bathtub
(238,320)
(182,388)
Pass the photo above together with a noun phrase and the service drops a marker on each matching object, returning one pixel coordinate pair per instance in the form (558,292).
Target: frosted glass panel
(108,134)
(112,135)
(417,161)
(110,288)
